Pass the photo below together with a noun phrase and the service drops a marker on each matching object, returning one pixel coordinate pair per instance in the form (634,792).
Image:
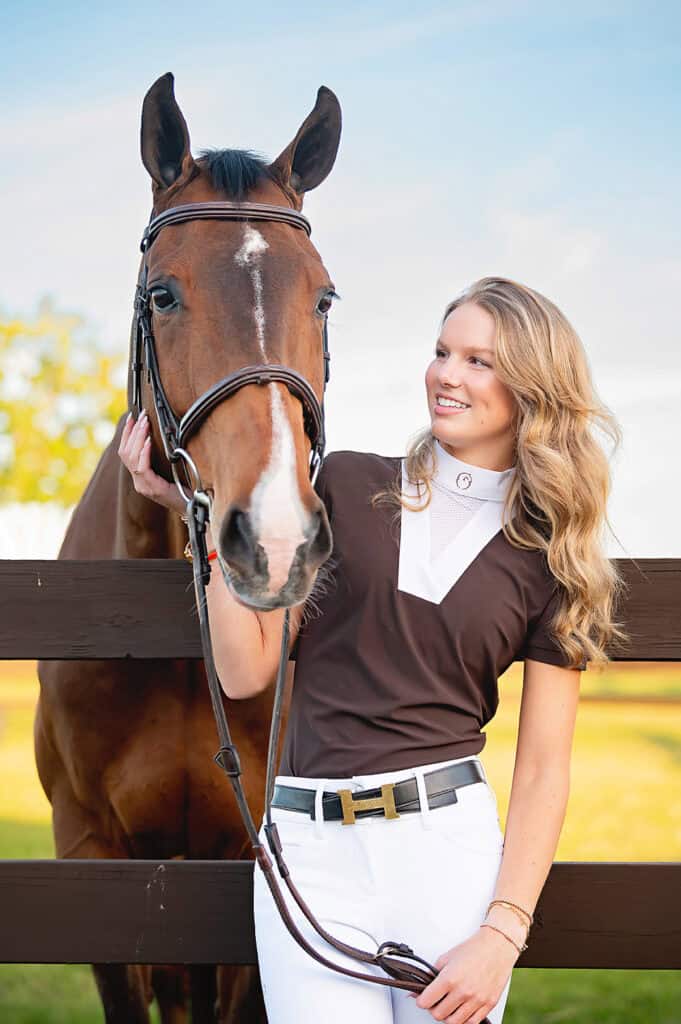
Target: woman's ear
(164,135)
(307,160)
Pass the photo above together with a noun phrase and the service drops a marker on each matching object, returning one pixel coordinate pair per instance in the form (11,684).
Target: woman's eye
(440,352)
(162,299)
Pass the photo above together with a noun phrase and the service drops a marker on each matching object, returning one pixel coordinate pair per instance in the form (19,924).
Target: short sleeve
(322,490)
(540,643)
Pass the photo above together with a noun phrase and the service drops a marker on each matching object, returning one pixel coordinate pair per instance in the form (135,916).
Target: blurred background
(537,141)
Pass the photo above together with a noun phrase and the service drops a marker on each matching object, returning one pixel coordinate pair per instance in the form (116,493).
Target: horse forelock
(235,172)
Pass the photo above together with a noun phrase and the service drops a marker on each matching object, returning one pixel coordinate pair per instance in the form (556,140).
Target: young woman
(482,546)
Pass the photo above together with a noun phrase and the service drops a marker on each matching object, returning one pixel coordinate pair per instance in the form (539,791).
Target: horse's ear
(164,134)
(307,160)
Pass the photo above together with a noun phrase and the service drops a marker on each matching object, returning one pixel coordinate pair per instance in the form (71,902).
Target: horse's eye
(162,299)
(324,304)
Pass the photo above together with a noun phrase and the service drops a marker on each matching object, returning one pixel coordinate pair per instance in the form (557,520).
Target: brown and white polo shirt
(398,665)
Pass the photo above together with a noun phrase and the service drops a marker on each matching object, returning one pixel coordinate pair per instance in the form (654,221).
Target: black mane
(235,171)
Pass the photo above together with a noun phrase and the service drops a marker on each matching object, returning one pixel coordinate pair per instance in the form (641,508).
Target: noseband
(175,432)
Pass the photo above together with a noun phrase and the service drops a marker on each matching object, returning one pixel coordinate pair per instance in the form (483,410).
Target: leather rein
(175,432)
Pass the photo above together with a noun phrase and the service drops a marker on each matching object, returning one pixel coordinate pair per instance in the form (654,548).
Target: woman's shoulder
(345,464)
(345,476)
(532,567)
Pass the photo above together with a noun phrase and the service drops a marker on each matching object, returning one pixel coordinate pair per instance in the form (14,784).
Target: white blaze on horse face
(277,513)
(250,255)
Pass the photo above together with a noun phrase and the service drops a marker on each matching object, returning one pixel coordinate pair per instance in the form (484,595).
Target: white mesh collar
(438,544)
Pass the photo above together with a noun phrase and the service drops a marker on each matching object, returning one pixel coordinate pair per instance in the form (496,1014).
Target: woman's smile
(446,407)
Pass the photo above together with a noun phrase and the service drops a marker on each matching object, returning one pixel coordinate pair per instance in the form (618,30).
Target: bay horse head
(224,294)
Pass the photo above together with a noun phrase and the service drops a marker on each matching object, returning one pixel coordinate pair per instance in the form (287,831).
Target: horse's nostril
(237,535)
(238,544)
(320,536)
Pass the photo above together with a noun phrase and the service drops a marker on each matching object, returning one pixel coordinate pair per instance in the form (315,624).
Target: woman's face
(463,370)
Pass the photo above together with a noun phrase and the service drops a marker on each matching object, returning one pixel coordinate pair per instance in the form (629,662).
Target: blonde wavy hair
(557,502)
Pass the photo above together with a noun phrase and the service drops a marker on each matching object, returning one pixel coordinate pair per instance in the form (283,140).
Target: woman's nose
(448,376)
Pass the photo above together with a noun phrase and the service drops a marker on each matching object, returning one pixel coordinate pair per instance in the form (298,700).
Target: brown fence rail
(144,608)
(595,915)
(191,912)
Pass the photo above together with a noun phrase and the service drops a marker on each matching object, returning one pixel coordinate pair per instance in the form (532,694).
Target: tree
(60,399)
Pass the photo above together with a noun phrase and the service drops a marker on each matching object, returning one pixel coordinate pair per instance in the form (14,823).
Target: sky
(538,141)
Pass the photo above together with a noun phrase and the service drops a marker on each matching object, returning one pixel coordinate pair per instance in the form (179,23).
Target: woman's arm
(539,791)
(473,973)
(246,643)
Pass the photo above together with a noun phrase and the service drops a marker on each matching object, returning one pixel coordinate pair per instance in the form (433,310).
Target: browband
(223,211)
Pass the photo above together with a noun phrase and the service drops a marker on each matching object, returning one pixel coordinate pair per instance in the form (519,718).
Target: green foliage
(51,994)
(60,399)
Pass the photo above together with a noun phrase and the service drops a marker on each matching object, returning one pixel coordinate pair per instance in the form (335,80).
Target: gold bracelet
(512,941)
(515,907)
(523,922)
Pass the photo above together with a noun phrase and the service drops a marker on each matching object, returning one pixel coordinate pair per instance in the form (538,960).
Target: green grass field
(623,737)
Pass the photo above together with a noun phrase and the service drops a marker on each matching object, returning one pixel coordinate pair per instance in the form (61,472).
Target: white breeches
(424,879)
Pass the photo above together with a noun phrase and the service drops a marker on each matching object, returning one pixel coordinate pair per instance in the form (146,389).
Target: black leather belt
(391,799)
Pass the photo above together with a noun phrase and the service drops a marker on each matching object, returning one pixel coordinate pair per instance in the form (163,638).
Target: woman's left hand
(471,978)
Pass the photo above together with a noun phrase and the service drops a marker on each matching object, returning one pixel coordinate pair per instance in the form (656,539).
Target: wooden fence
(597,915)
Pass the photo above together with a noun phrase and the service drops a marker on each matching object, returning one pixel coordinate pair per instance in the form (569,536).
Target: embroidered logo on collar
(453,473)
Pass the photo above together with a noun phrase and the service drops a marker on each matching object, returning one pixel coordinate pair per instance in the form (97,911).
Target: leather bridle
(175,433)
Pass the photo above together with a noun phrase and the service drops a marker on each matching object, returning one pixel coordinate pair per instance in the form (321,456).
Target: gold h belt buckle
(386,801)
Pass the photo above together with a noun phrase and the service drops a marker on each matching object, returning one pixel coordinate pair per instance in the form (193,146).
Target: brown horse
(124,751)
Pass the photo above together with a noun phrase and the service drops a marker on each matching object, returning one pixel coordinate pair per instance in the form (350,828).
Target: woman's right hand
(135,454)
